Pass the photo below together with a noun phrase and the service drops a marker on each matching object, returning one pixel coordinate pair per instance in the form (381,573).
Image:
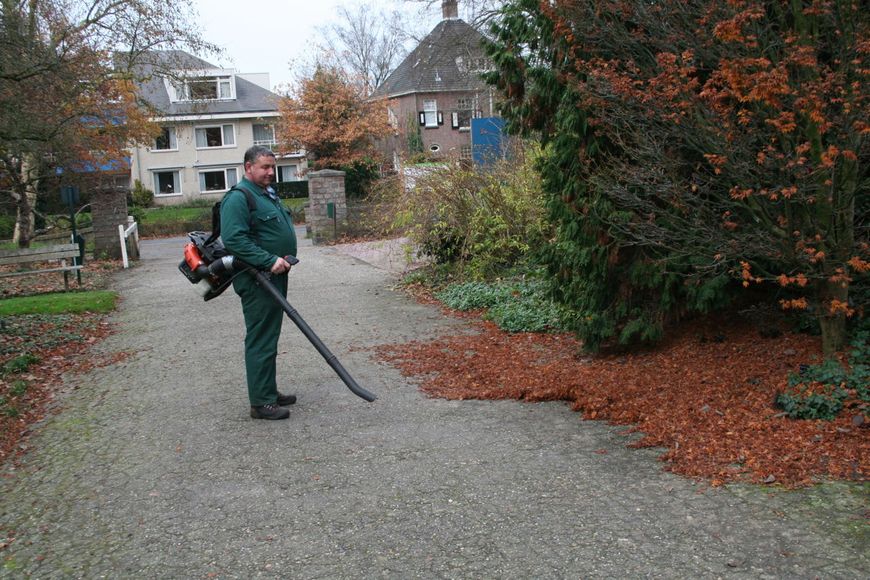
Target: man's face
(262,171)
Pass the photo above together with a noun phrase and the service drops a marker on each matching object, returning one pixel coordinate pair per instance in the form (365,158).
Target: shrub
(812,401)
(473,295)
(514,306)
(359,177)
(141,195)
(138,213)
(481,222)
(822,391)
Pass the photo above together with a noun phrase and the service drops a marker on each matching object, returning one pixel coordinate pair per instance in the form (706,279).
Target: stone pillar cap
(326,173)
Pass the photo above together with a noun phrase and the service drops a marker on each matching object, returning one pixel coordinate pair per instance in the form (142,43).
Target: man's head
(260,166)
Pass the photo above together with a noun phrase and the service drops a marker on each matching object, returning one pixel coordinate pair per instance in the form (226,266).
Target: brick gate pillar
(108,210)
(326,215)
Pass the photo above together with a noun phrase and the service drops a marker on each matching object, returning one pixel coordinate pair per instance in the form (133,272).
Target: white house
(209,116)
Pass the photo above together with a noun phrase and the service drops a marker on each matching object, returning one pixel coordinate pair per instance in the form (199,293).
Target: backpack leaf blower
(211,269)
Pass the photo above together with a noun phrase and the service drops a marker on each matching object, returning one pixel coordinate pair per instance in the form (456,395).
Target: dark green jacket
(274,235)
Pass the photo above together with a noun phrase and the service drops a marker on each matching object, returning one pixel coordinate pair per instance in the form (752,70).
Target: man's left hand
(280,266)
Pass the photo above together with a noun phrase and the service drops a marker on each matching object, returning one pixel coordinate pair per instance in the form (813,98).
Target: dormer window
(204,88)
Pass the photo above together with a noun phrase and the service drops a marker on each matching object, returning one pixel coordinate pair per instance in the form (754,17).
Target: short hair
(257,151)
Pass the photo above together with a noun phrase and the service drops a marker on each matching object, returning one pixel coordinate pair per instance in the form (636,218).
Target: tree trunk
(25,222)
(833,325)
(841,237)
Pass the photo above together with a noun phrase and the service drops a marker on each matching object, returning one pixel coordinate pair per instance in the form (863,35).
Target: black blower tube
(330,358)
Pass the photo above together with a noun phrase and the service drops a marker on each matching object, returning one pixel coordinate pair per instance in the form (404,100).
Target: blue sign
(487,140)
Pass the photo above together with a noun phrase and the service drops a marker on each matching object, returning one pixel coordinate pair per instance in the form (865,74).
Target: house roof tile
(445,60)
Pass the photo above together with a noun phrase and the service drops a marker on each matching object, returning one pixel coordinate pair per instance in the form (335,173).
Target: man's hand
(280,266)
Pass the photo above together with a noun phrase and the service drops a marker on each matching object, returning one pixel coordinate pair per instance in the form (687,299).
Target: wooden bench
(61,252)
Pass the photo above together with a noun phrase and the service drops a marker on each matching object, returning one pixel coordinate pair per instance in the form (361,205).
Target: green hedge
(292,189)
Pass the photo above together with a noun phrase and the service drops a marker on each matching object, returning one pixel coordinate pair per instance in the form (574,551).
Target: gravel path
(153,468)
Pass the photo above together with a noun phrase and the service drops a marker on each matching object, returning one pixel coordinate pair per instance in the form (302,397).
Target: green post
(330,212)
(70,195)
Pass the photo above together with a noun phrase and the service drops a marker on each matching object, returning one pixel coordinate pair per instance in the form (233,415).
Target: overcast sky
(265,35)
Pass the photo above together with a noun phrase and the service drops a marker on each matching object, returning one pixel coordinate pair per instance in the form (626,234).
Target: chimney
(449,9)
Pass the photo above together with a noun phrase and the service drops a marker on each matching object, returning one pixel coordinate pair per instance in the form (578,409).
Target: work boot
(271,411)
(286,400)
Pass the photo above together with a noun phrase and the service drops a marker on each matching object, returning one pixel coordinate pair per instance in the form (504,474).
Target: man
(262,240)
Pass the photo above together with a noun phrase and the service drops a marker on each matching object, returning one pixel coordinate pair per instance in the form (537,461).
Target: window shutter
(440,118)
(422,118)
(454,120)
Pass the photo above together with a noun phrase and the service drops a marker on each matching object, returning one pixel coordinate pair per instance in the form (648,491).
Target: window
(202,89)
(166,141)
(264,135)
(220,136)
(461,117)
(288,173)
(429,117)
(465,152)
(481,64)
(225,88)
(167,183)
(217,179)
(391,119)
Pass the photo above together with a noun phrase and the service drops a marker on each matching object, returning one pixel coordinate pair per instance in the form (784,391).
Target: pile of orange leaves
(706,395)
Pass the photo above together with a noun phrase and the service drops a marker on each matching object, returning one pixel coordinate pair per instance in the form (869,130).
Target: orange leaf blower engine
(207,265)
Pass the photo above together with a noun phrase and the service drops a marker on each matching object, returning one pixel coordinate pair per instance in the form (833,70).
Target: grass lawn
(178,220)
(171,213)
(59,303)
(10,245)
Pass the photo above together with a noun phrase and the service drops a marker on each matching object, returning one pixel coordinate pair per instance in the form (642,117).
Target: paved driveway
(154,470)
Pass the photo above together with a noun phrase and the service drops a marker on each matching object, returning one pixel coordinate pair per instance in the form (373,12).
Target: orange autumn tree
(67,102)
(790,98)
(691,143)
(330,117)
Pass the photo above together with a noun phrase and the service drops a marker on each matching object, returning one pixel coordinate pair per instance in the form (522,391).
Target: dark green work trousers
(263,319)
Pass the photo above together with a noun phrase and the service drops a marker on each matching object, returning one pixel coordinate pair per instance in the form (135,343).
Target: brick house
(209,116)
(436,91)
